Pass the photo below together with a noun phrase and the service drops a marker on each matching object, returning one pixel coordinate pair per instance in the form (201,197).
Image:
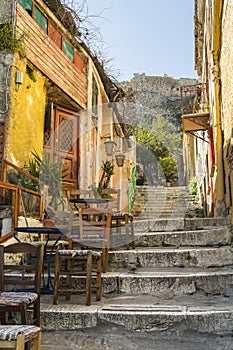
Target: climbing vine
(9,41)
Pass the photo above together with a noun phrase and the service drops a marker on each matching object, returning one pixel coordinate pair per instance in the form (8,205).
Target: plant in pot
(51,174)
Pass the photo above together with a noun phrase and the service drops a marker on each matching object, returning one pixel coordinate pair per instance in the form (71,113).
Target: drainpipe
(219,186)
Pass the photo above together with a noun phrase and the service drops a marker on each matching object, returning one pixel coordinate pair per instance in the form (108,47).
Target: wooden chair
(17,336)
(81,263)
(74,194)
(120,220)
(94,231)
(20,280)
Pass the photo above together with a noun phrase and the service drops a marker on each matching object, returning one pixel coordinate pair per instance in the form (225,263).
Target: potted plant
(51,174)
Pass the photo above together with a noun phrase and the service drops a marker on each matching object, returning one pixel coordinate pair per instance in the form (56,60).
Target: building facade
(209,128)
(54,93)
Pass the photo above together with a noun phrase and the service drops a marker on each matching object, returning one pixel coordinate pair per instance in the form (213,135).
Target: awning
(195,121)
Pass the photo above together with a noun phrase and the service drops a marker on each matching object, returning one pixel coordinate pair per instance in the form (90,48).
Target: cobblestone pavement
(116,338)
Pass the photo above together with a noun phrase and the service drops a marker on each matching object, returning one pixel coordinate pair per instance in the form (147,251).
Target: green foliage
(9,41)
(108,171)
(169,166)
(50,174)
(192,186)
(31,74)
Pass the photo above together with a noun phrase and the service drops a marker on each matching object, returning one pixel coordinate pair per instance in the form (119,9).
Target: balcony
(195,107)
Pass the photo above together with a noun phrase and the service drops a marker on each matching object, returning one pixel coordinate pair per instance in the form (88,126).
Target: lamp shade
(109,147)
(120,158)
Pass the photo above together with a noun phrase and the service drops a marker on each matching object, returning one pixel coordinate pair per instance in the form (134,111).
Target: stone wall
(157,96)
(6,62)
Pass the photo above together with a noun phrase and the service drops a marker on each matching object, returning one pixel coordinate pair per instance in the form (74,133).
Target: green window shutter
(68,49)
(41,19)
(26,4)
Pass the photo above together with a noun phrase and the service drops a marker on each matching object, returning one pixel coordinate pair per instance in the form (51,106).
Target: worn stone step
(143,313)
(177,223)
(167,283)
(206,237)
(164,282)
(168,257)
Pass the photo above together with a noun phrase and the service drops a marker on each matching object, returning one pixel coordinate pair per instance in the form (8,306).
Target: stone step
(168,283)
(177,223)
(168,257)
(143,313)
(165,282)
(207,237)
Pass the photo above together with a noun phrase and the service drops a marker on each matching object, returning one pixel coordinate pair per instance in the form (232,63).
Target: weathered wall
(6,62)
(226,66)
(26,128)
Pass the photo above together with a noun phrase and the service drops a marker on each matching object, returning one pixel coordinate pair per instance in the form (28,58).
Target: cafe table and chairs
(49,238)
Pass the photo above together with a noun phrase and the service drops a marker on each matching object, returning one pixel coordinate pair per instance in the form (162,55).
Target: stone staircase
(179,275)
(160,202)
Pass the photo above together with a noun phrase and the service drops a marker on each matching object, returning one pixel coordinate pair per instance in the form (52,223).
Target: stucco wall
(27,114)
(226,66)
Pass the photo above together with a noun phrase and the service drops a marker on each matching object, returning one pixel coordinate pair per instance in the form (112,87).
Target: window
(55,35)
(68,49)
(41,19)
(27,5)
(94,97)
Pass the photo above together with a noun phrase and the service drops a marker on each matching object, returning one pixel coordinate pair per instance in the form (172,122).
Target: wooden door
(62,145)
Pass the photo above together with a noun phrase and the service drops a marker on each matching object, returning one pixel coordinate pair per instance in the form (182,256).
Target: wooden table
(88,201)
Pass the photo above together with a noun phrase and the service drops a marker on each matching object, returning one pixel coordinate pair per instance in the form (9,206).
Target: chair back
(21,267)
(80,193)
(95,223)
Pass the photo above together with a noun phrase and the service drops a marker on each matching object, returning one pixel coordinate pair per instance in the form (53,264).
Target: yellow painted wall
(26,129)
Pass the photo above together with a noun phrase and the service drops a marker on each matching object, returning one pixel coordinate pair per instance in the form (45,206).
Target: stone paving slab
(109,337)
(145,313)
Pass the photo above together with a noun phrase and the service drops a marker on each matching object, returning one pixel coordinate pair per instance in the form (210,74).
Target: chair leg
(37,342)
(69,267)
(89,278)
(36,313)
(20,342)
(98,279)
(24,314)
(3,317)
(105,258)
(56,278)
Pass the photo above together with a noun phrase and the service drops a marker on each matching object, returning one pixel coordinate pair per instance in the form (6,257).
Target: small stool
(77,262)
(16,336)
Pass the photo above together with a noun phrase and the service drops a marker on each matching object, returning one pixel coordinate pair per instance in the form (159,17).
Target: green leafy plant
(169,166)
(108,171)
(8,39)
(50,174)
(192,186)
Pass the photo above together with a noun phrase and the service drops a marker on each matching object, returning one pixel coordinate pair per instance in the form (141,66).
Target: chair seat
(75,252)
(17,298)
(10,332)
(120,214)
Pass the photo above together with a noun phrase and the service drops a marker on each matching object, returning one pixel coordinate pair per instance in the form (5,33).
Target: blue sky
(154,37)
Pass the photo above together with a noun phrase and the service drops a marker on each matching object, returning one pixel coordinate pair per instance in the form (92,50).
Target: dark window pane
(68,49)
(41,19)
(27,5)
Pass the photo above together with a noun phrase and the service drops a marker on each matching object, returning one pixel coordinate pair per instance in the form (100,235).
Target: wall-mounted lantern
(120,159)
(109,147)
